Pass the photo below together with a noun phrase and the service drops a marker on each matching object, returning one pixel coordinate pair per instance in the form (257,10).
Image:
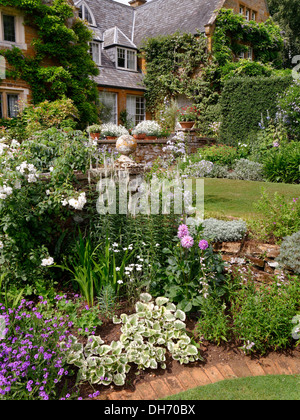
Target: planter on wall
(139,136)
(95,135)
(187,124)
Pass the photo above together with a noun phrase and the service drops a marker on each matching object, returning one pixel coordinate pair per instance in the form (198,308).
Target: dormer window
(126,59)
(86,14)
(95,52)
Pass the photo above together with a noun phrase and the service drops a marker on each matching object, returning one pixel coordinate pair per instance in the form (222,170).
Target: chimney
(136,3)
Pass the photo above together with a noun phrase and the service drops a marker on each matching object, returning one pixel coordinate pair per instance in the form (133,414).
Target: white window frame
(250,54)
(97,45)
(115,114)
(19,31)
(85,6)
(253,15)
(135,118)
(247,15)
(242,10)
(127,51)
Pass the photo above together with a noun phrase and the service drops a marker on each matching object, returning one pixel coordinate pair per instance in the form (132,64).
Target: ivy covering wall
(243,103)
(61,43)
(178,64)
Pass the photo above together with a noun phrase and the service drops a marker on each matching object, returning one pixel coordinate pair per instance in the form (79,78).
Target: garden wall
(260,256)
(149,150)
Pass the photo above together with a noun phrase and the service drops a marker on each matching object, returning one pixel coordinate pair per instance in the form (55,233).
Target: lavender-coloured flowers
(203,244)
(187,242)
(182,231)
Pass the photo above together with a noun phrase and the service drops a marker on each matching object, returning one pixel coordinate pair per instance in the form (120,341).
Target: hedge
(243,102)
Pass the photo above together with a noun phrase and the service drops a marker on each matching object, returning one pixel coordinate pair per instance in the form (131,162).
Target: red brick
(146,391)
(270,368)
(226,371)
(255,368)
(240,369)
(161,388)
(186,379)
(174,385)
(200,376)
(214,374)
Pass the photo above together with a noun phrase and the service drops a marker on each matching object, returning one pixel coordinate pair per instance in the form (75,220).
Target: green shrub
(222,154)
(282,163)
(262,316)
(281,217)
(244,100)
(289,256)
(289,105)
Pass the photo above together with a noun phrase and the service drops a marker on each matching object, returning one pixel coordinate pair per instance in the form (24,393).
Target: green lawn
(227,197)
(277,387)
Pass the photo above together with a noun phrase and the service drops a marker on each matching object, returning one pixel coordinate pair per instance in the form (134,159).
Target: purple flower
(182,231)
(187,241)
(203,244)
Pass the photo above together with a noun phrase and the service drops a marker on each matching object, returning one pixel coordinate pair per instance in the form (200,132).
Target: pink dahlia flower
(187,241)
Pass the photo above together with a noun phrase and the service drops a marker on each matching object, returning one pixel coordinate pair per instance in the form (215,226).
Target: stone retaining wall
(260,256)
(149,150)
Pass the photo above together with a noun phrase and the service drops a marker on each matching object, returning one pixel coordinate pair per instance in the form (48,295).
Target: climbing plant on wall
(61,66)
(233,34)
(178,64)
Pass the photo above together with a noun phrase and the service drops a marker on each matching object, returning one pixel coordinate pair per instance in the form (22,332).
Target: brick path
(188,378)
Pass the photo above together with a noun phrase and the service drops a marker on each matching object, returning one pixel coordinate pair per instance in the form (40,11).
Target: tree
(286,14)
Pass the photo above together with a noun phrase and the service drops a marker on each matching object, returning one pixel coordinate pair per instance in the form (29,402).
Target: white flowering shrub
(114,130)
(224,231)
(148,127)
(156,327)
(33,208)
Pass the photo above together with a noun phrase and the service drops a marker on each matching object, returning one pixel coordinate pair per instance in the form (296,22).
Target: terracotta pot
(111,137)
(151,138)
(95,135)
(139,136)
(187,124)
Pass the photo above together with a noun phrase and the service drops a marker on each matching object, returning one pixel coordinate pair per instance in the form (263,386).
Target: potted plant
(94,131)
(150,129)
(112,131)
(187,116)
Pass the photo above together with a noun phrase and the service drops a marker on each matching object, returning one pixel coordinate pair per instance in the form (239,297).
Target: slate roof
(121,24)
(114,36)
(163,17)
(110,76)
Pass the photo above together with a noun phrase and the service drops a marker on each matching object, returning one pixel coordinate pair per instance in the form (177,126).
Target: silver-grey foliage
(224,231)
(289,256)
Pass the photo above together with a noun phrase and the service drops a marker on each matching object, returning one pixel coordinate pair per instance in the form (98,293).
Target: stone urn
(126,145)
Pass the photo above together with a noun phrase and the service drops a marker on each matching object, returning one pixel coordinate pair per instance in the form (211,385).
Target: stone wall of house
(259,6)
